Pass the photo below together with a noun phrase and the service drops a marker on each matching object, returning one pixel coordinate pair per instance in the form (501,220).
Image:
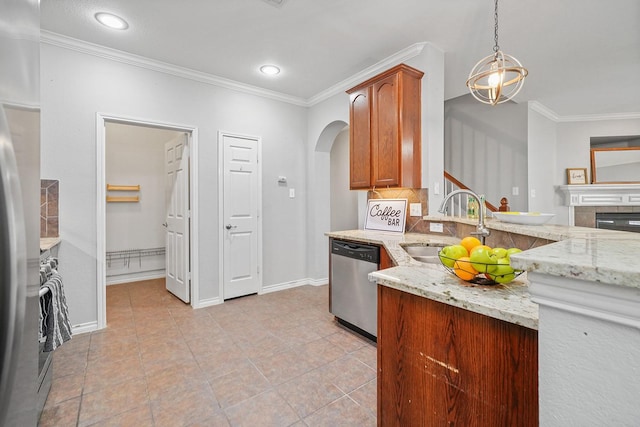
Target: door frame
(101,205)
(221,135)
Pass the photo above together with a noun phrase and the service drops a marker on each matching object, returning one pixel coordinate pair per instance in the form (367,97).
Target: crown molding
(163,67)
(551,115)
(99,51)
(390,61)
(597,117)
(412,51)
(548,113)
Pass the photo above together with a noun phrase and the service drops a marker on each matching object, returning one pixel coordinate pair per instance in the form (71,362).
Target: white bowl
(526,218)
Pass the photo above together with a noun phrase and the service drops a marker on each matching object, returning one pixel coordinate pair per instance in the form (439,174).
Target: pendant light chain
(496,48)
(496,78)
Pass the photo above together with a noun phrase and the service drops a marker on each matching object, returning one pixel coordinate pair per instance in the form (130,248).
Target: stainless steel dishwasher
(354,299)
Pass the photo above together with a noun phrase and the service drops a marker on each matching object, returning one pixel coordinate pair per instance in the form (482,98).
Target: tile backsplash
(413,195)
(49,192)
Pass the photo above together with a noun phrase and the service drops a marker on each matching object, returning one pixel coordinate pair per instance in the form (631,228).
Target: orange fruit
(463,268)
(478,247)
(470,242)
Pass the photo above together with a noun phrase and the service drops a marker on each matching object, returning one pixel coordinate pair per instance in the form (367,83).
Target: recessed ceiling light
(270,70)
(112,21)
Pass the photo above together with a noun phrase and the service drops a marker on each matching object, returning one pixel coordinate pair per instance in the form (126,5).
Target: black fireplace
(619,221)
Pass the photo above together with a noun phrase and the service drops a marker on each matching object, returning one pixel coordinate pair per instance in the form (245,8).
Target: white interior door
(240,213)
(176,157)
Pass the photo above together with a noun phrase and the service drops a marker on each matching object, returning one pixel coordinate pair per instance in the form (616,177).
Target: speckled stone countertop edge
(511,302)
(610,259)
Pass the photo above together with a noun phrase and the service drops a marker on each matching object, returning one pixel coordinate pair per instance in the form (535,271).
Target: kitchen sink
(424,254)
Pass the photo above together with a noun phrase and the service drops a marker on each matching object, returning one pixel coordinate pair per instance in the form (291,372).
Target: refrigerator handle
(13,262)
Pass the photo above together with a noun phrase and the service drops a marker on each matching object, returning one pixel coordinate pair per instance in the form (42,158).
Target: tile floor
(278,359)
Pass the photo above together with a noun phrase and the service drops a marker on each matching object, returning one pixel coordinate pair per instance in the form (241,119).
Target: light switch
(292,193)
(436,188)
(415,209)
(515,191)
(533,193)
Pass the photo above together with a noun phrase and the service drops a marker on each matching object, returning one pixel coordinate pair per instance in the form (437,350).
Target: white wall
(325,120)
(344,202)
(487,148)
(431,61)
(75,86)
(541,153)
(573,149)
(134,155)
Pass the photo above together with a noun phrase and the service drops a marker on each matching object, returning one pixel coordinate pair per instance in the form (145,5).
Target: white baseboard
(84,328)
(292,284)
(319,282)
(135,277)
(208,302)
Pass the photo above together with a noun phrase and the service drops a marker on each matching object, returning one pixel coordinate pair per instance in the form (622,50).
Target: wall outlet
(515,191)
(292,193)
(533,193)
(415,209)
(436,227)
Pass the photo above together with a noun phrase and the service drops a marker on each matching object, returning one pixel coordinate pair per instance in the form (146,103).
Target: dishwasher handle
(358,251)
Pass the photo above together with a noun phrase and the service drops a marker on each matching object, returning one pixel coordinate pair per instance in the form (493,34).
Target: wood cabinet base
(440,365)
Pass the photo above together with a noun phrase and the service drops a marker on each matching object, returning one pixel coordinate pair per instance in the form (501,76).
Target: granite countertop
(393,242)
(48,243)
(590,254)
(509,302)
(609,258)
(546,231)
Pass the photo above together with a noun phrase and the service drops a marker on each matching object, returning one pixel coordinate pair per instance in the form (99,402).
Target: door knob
(229,226)
(165,225)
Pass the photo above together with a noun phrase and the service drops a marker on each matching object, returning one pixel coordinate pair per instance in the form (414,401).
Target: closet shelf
(111,187)
(128,254)
(121,199)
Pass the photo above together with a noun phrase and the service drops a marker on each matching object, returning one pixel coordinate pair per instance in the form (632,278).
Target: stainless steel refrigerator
(19,210)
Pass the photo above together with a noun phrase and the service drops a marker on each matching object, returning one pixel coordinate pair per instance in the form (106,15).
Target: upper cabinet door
(360,137)
(385,131)
(385,147)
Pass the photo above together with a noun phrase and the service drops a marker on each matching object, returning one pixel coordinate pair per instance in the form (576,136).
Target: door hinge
(189,213)
(258,269)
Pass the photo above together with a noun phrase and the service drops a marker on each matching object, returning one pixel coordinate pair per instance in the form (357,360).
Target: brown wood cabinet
(385,259)
(440,365)
(385,130)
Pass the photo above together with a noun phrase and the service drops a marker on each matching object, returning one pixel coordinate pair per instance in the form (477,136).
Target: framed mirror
(615,165)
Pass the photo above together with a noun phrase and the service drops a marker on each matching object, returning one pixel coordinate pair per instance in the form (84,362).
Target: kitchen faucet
(482,231)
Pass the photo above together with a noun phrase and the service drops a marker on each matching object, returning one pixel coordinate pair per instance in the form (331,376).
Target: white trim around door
(101,275)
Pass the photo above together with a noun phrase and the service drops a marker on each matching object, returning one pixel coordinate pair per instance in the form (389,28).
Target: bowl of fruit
(474,262)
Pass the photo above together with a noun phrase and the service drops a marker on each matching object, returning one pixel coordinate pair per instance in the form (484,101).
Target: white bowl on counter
(525,218)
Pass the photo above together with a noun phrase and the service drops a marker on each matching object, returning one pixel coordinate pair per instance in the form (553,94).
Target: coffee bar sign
(386,215)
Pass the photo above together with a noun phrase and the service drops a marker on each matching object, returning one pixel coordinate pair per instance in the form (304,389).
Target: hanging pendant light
(498,77)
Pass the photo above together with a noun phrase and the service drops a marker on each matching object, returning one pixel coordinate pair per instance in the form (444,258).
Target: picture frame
(577,176)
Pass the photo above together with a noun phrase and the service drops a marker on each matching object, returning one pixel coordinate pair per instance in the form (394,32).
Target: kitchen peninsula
(449,351)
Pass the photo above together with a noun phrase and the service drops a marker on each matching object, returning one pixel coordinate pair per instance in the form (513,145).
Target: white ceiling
(583,56)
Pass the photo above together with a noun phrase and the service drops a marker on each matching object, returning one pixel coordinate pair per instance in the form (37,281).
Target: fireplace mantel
(599,195)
